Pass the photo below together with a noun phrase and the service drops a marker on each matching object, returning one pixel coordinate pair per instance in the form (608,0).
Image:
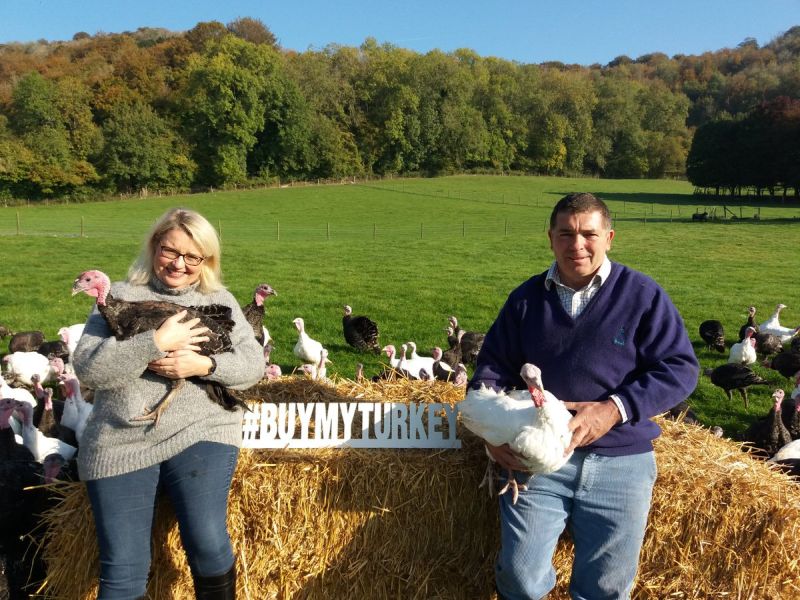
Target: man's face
(579,242)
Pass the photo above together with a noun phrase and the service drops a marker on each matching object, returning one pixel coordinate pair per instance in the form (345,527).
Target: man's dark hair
(581,202)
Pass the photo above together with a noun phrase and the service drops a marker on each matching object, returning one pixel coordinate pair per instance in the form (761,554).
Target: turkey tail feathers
(224,397)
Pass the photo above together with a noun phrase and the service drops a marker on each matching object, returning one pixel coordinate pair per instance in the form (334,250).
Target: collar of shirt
(602,273)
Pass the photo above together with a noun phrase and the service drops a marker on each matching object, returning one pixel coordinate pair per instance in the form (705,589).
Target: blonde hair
(203,234)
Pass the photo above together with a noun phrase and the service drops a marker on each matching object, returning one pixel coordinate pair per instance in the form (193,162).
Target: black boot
(218,587)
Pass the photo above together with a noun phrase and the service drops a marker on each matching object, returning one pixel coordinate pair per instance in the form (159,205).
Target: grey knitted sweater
(112,444)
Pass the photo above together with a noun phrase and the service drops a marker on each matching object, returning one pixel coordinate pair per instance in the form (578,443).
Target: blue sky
(532,31)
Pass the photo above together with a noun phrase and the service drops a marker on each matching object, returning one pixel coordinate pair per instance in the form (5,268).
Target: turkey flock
(768,345)
(44,408)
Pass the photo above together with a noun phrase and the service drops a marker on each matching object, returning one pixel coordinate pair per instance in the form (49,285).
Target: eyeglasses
(171,254)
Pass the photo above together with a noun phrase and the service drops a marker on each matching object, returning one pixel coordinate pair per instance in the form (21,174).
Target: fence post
(420,231)
(463,229)
(18,227)
(327,231)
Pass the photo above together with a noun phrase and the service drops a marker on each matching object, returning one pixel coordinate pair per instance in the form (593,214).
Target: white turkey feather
(539,435)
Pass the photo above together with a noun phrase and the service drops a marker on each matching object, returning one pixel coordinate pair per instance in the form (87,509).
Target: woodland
(224,106)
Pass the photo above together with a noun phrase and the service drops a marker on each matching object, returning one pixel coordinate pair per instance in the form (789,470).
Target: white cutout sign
(331,425)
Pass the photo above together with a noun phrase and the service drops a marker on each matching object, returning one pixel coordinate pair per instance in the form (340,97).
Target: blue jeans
(198,481)
(604,500)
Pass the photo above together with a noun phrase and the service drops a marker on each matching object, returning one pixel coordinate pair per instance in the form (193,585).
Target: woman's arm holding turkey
(99,356)
(243,366)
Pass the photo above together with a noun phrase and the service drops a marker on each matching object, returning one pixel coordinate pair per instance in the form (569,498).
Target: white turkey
(71,335)
(391,353)
(533,422)
(6,391)
(317,371)
(788,451)
(412,366)
(34,440)
(21,366)
(744,352)
(76,409)
(360,331)
(306,349)
(773,326)
(272,372)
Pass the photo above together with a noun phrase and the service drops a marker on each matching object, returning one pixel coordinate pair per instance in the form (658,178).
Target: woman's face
(170,259)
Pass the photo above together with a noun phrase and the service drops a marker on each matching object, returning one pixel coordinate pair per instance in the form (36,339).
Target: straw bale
(382,524)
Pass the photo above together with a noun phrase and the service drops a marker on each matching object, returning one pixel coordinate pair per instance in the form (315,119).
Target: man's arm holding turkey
(667,375)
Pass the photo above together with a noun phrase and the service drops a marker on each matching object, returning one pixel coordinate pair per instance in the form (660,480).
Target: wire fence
(525,214)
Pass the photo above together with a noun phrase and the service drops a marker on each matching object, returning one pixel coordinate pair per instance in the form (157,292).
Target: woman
(191,453)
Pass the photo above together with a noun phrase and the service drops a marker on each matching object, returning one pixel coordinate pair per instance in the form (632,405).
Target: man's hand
(505,457)
(592,421)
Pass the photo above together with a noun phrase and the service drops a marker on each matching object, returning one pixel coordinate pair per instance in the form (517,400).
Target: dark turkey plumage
(25,341)
(767,343)
(769,433)
(453,355)
(471,342)
(683,412)
(54,348)
(785,363)
(735,376)
(254,311)
(751,322)
(713,335)
(360,332)
(126,319)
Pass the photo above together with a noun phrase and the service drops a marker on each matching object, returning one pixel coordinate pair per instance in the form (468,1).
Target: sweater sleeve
(498,362)
(668,367)
(101,361)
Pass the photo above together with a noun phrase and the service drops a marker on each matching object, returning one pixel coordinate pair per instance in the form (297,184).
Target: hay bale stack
(412,523)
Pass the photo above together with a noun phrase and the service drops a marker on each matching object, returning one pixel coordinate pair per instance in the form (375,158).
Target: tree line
(759,152)
(224,105)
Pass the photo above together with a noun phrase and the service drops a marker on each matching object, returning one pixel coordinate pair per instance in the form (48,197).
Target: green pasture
(410,252)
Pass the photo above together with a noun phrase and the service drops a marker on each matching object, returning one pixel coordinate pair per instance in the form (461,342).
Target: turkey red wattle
(537,396)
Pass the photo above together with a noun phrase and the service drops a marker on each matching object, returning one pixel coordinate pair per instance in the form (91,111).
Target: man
(613,347)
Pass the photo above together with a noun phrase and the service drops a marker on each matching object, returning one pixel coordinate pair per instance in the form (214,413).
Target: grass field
(411,252)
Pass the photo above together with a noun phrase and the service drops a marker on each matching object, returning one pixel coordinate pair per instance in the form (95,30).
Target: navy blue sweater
(629,340)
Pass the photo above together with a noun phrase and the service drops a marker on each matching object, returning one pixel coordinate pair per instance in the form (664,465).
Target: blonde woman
(191,453)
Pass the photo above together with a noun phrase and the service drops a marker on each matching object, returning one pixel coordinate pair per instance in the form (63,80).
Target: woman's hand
(181,364)
(176,334)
